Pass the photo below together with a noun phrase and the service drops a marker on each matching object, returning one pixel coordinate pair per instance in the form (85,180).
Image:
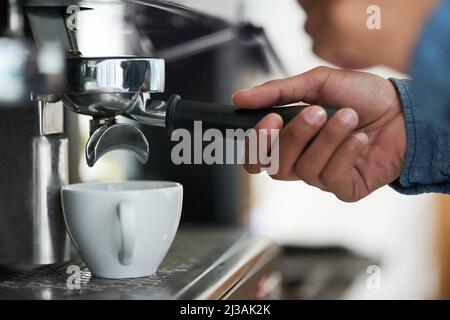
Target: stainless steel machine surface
(34,162)
(43,70)
(202,264)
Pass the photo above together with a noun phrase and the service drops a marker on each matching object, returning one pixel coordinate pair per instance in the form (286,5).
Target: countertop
(201,264)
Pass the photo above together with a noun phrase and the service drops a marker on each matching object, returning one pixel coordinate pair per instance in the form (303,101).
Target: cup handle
(127,222)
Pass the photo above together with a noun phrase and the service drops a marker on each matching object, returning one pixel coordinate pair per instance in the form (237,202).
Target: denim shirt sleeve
(430,67)
(426,104)
(426,166)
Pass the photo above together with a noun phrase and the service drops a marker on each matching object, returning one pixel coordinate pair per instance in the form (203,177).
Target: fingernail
(348,117)
(240,91)
(361,136)
(245,90)
(314,115)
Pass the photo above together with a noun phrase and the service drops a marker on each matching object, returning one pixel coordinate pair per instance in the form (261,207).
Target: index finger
(300,88)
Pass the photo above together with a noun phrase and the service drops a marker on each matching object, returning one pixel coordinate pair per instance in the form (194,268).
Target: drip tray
(202,264)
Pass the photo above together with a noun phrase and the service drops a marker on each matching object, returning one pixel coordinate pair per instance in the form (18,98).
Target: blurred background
(330,246)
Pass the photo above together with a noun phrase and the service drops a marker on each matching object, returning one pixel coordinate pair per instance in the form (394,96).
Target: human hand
(360,149)
(341,36)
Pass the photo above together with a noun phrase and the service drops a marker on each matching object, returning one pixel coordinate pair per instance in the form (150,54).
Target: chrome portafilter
(105,88)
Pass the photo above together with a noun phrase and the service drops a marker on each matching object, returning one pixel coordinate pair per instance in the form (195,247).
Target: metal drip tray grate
(197,261)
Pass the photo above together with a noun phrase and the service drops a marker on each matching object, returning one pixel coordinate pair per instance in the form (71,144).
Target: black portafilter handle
(181,114)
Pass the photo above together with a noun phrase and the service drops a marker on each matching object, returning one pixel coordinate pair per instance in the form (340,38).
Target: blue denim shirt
(426,103)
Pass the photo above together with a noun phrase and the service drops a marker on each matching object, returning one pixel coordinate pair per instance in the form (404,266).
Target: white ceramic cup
(122,230)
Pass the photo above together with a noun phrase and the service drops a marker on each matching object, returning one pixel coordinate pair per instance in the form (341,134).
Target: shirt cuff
(426,165)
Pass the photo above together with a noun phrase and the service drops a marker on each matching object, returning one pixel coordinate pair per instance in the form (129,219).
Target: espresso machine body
(33,168)
(41,69)
(43,72)
(34,161)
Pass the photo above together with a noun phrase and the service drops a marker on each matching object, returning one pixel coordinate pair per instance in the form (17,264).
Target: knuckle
(321,69)
(353,146)
(347,198)
(271,83)
(352,195)
(305,172)
(251,169)
(284,173)
(247,168)
(292,133)
(278,177)
(330,180)
(332,135)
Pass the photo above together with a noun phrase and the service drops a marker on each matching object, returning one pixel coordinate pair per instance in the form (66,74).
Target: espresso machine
(43,71)
(34,159)
(40,58)
(42,68)
(44,75)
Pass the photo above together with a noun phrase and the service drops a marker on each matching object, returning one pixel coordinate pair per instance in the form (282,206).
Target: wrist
(425,166)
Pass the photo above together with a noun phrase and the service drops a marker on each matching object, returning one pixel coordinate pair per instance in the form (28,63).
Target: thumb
(304,87)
